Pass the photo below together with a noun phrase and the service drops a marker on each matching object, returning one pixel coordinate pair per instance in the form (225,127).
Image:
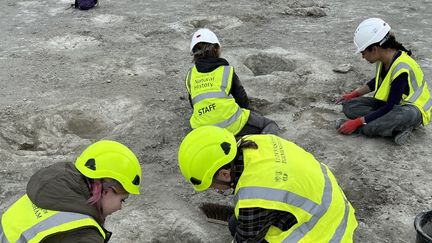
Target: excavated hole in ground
(85,126)
(262,64)
(39,132)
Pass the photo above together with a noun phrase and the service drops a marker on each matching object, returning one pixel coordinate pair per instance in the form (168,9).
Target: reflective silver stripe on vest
(208,95)
(189,79)
(231,120)
(428,105)
(340,231)
(225,76)
(2,235)
(219,94)
(417,90)
(53,221)
(316,210)
(317,213)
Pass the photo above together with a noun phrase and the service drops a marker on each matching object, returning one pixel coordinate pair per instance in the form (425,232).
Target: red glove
(350,126)
(351,95)
(348,96)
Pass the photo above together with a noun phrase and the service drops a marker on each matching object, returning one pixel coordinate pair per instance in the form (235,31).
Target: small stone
(343,68)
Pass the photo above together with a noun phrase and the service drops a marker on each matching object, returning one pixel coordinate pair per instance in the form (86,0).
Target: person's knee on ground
(348,108)
(271,128)
(258,124)
(399,119)
(359,106)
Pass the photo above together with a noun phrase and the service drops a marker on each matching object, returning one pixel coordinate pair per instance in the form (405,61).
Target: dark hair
(243,143)
(247,144)
(391,42)
(205,50)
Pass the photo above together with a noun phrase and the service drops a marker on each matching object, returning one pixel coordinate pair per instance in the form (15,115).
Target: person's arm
(190,100)
(397,89)
(254,223)
(187,90)
(363,90)
(371,84)
(239,93)
(360,91)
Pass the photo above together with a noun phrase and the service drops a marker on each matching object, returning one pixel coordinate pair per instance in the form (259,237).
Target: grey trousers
(400,118)
(258,124)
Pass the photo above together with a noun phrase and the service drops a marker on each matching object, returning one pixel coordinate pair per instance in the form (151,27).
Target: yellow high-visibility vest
(25,222)
(280,175)
(212,103)
(418,88)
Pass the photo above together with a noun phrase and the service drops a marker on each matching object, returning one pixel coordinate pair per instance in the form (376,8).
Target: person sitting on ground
(282,193)
(401,101)
(68,202)
(215,92)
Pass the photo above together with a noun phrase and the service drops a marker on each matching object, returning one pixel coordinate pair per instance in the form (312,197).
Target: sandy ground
(68,78)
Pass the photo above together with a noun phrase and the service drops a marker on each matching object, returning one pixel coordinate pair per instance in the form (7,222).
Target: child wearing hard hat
(282,194)
(401,101)
(68,202)
(215,92)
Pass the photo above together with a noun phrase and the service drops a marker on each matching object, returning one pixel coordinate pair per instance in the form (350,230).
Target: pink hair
(96,189)
(99,185)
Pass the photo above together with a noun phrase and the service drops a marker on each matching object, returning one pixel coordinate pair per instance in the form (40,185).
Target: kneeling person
(216,94)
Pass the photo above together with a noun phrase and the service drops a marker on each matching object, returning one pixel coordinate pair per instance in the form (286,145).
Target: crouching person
(68,202)
(282,194)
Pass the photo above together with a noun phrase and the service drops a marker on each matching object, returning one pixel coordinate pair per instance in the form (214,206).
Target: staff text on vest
(207,109)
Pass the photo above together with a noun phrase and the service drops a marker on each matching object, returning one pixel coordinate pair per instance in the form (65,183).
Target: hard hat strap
(385,39)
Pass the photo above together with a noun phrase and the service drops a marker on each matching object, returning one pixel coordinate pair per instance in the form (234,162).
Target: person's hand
(348,96)
(350,126)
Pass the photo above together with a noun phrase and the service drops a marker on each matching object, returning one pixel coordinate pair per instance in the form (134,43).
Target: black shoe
(403,137)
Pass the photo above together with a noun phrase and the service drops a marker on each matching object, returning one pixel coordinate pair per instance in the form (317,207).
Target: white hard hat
(203,35)
(370,31)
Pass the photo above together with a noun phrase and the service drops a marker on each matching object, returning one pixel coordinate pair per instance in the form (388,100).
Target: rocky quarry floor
(69,78)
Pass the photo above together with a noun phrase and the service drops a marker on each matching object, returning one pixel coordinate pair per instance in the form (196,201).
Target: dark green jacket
(62,187)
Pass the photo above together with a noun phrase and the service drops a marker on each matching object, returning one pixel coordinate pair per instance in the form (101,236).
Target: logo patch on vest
(279,159)
(204,82)
(39,212)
